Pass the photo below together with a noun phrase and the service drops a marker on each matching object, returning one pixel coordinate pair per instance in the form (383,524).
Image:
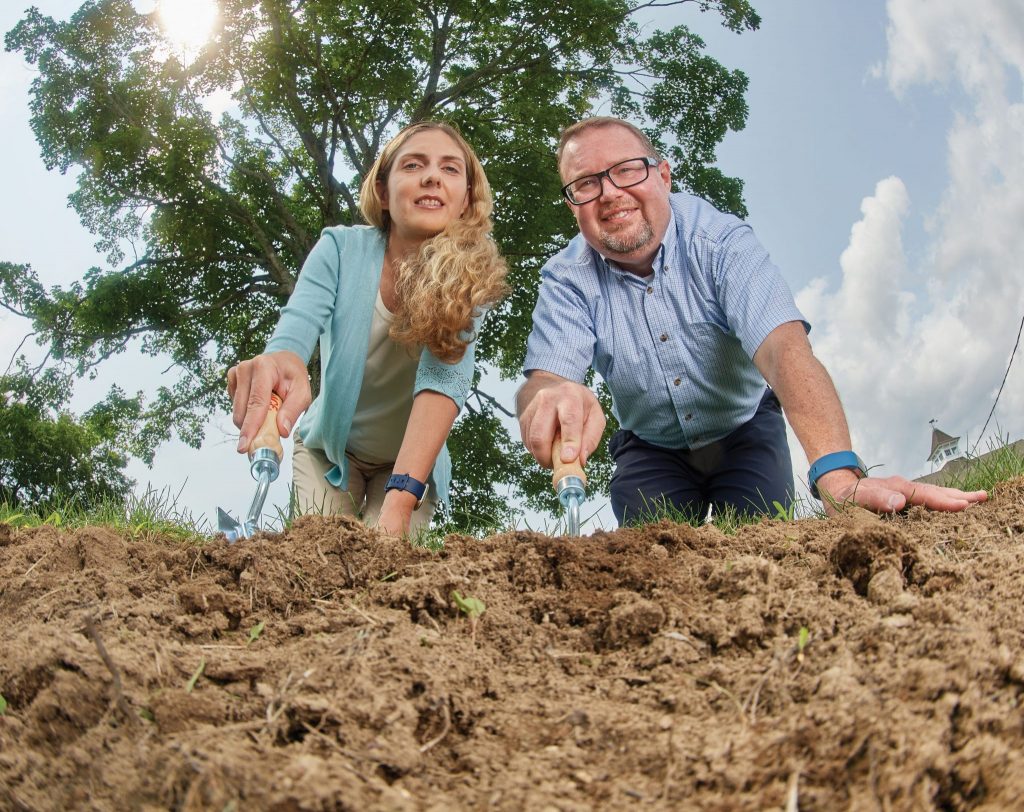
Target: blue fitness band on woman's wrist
(833,462)
(404,482)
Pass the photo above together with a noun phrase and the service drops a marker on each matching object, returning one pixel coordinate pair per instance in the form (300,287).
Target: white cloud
(909,342)
(940,41)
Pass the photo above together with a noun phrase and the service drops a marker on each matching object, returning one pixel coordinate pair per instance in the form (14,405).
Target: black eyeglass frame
(648,163)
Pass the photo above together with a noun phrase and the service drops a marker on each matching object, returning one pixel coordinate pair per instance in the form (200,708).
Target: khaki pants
(364,497)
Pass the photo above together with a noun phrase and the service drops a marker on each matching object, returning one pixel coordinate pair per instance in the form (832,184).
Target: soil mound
(856,663)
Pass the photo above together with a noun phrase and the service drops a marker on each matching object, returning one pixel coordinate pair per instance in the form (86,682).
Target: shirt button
(664,337)
(677,381)
(650,289)
(688,417)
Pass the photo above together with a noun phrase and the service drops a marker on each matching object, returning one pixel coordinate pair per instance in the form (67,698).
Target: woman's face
(427,187)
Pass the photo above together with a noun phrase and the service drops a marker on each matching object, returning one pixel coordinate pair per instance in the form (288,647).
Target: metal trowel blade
(228,526)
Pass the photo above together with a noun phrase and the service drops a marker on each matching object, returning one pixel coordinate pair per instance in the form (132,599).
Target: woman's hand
(396,513)
(250,384)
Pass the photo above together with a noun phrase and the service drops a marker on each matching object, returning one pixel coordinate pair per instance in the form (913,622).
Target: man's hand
(250,384)
(890,494)
(548,404)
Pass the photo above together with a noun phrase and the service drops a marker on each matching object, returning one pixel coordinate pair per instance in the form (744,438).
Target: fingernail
(287,424)
(243,443)
(893,501)
(568,449)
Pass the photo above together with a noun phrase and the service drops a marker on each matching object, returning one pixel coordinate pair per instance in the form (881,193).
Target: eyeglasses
(622,175)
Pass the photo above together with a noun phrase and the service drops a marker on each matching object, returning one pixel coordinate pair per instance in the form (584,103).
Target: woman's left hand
(396,513)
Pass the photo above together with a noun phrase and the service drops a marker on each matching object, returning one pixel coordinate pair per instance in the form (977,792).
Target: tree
(218,215)
(46,455)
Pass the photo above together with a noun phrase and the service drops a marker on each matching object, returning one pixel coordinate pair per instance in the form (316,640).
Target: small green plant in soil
(472,608)
(783,513)
(3,705)
(802,639)
(256,631)
(195,676)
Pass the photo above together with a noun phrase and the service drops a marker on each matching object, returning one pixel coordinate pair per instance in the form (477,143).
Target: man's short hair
(594,122)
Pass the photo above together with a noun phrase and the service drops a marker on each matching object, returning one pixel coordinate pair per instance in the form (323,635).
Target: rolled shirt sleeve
(563,338)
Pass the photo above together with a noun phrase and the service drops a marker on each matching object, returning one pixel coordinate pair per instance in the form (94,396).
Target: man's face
(625,225)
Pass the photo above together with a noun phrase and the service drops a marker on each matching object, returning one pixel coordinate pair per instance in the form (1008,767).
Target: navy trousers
(748,470)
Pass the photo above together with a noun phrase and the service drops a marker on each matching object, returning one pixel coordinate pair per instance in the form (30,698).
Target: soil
(856,663)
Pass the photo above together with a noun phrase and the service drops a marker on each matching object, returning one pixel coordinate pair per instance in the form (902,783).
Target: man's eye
(584,184)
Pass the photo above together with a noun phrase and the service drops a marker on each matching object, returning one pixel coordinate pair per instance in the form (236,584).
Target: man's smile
(618,214)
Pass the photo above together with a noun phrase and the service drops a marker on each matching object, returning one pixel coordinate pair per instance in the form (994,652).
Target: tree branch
(494,402)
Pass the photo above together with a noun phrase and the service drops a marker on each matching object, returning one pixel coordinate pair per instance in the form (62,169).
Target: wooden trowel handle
(268,435)
(564,469)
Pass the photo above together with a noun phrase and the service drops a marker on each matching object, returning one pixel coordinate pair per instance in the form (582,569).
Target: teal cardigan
(333,301)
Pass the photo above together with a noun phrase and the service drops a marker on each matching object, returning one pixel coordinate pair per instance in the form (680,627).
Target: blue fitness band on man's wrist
(404,482)
(833,462)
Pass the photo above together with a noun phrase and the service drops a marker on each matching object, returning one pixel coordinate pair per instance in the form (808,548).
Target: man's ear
(666,173)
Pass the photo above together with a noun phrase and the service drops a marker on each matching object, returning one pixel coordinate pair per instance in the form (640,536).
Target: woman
(396,306)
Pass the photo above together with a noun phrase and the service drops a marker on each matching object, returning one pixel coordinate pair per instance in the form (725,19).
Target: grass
(728,519)
(1001,462)
(157,512)
(151,514)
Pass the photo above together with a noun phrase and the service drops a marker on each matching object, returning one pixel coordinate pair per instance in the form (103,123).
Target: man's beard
(629,242)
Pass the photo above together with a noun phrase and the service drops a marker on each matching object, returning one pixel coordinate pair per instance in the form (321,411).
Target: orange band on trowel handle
(564,469)
(269,436)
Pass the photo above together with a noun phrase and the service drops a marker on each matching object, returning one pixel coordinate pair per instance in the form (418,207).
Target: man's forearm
(806,392)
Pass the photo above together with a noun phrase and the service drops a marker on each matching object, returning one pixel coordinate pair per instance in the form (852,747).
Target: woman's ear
(382,193)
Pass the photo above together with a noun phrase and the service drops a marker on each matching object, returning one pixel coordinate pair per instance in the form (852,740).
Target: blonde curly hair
(456,274)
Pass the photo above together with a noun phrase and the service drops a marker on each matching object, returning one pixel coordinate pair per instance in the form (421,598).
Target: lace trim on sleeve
(447,380)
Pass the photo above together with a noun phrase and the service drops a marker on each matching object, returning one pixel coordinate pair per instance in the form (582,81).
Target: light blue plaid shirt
(675,349)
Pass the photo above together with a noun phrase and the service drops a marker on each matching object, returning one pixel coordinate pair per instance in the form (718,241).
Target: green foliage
(47,455)
(3,705)
(221,212)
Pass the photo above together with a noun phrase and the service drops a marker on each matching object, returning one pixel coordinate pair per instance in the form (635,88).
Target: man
(678,307)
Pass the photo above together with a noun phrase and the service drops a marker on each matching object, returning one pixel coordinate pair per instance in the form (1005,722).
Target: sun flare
(187,24)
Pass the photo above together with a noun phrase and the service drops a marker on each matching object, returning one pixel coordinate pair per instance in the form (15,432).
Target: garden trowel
(570,484)
(265,455)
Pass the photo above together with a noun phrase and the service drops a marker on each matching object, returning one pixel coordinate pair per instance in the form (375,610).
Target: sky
(883,162)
